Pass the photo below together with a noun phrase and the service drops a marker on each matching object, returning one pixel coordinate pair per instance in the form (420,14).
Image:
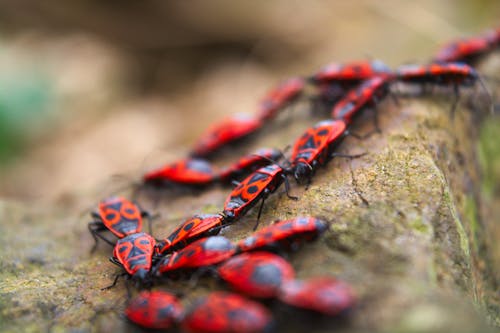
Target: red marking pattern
(253,188)
(121,216)
(315,146)
(135,252)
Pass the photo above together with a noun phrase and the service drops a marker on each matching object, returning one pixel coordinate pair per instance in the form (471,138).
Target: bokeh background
(93,89)
(94,93)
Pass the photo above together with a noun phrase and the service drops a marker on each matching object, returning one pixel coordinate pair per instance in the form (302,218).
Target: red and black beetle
(284,234)
(249,163)
(224,312)
(322,294)
(350,74)
(187,172)
(335,79)
(368,94)
(453,73)
(442,74)
(257,186)
(276,99)
(154,309)
(315,147)
(200,225)
(134,254)
(118,215)
(469,50)
(227,131)
(204,252)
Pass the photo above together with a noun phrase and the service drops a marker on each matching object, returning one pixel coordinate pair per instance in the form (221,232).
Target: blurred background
(92,89)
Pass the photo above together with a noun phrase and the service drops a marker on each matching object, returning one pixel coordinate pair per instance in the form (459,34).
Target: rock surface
(407,231)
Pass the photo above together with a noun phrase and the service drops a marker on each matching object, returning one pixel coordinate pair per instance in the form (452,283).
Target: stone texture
(407,231)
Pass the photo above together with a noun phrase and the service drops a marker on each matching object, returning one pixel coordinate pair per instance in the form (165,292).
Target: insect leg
(95,227)
(265,194)
(118,276)
(287,188)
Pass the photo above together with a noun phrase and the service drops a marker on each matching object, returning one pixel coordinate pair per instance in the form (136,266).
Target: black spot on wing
(323,132)
(174,234)
(253,189)
(188,226)
(268,275)
(135,252)
(256,177)
(310,143)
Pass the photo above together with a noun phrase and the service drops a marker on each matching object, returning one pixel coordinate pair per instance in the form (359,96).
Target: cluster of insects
(254,266)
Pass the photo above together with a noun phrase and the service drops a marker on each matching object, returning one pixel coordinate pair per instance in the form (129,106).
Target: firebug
(225,132)
(257,186)
(134,253)
(191,230)
(322,294)
(281,96)
(315,147)
(202,253)
(118,215)
(154,309)
(188,171)
(284,234)
(224,312)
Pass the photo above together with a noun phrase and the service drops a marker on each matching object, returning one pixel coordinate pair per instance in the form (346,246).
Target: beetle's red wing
(120,216)
(189,171)
(247,192)
(316,140)
(279,97)
(135,252)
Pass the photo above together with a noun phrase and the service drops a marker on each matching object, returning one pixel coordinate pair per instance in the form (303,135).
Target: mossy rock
(407,231)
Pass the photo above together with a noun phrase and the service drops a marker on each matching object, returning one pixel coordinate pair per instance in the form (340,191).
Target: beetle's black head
(142,278)
(302,172)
